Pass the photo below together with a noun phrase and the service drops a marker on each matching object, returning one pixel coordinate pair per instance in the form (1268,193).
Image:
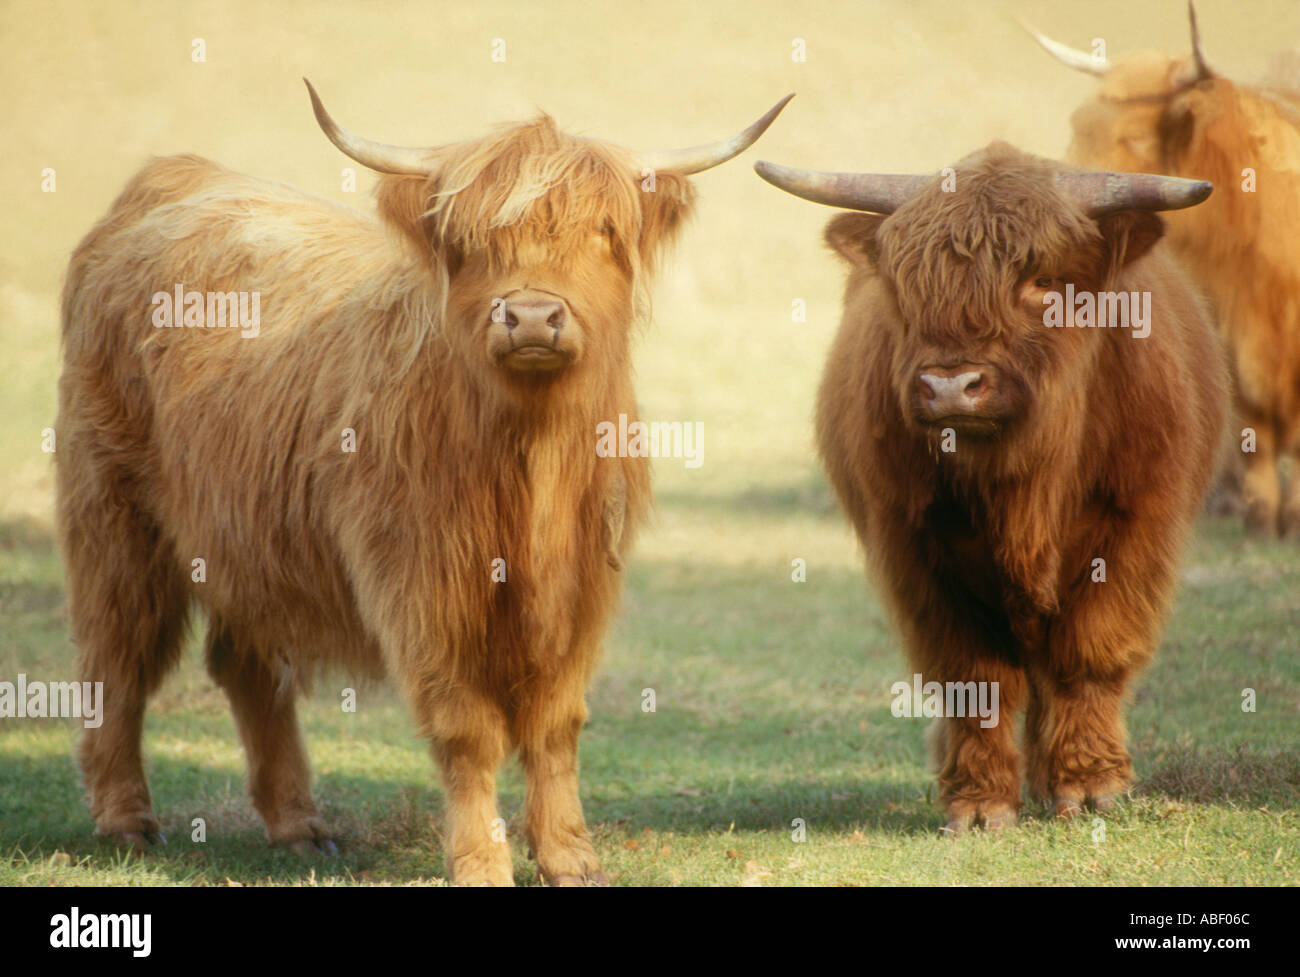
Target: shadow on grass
(1208,776)
(389,830)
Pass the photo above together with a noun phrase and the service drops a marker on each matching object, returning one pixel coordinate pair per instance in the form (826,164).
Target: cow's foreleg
(977,759)
(279,776)
(469,740)
(1080,756)
(548,749)
(1107,629)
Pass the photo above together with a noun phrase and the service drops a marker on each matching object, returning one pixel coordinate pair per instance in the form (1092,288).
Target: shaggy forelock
(532,182)
(956,257)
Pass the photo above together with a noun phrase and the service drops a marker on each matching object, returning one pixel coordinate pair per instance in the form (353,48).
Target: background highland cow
(1165,113)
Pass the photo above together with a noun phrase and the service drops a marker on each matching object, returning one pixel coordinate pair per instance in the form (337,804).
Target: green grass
(772,704)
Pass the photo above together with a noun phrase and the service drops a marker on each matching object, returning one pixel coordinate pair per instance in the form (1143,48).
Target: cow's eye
(1043,281)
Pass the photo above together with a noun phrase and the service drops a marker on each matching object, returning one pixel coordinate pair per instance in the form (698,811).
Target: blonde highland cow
(393,470)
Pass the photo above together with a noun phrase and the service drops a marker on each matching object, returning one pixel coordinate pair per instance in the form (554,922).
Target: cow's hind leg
(1290,518)
(279,776)
(548,750)
(128,604)
(1262,488)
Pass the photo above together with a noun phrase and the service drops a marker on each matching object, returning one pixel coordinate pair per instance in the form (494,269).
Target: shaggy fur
(186,443)
(1239,246)
(984,554)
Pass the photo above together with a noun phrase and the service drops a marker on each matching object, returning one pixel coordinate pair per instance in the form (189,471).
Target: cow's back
(226,437)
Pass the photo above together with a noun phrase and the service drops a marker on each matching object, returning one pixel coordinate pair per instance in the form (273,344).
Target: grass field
(772,696)
(772,704)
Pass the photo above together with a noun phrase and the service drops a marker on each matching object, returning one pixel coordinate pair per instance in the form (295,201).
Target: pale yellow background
(93,89)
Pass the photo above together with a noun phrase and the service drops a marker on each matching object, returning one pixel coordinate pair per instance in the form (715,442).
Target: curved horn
(697,159)
(883,193)
(879,193)
(376,155)
(1068,56)
(1104,193)
(1202,66)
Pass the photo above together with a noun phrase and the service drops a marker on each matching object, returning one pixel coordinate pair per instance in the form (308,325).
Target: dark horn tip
(1202,190)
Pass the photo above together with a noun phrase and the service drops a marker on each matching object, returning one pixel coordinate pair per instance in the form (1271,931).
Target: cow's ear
(402,201)
(853,235)
(1180,125)
(667,199)
(1126,236)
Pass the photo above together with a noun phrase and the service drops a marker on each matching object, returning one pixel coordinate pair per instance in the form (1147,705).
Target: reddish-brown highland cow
(1158,113)
(989,462)
(393,470)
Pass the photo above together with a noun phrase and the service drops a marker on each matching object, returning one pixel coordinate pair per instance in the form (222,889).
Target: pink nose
(535,318)
(959,391)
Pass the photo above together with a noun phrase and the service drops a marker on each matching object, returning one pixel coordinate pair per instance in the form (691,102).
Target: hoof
(1064,808)
(495,880)
(309,837)
(1102,803)
(997,821)
(137,830)
(1261,521)
(490,866)
(147,840)
(596,879)
(957,826)
(312,847)
(994,817)
(1289,527)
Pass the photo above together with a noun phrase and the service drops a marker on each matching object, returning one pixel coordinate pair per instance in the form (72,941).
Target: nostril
(927,391)
(975,386)
(556,319)
(512,320)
